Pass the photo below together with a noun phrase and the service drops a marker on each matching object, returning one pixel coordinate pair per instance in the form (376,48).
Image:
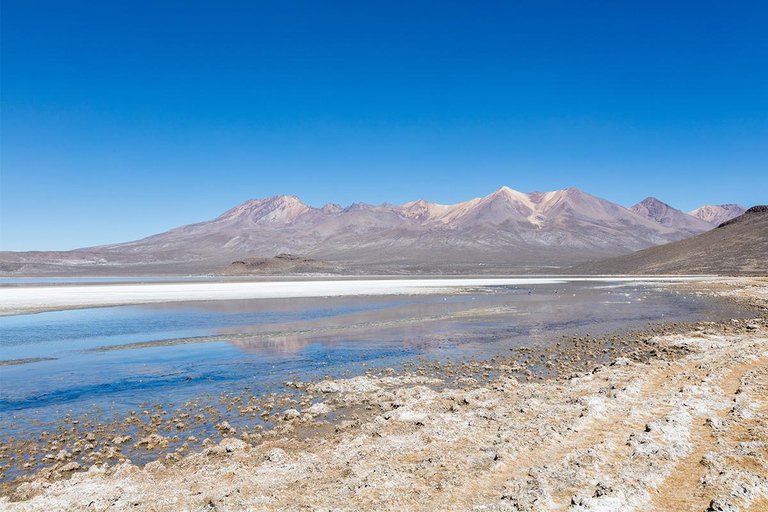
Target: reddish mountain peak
(359,206)
(570,192)
(271,210)
(419,203)
(421,210)
(659,211)
(652,208)
(651,203)
(331,208)
(716,214)
(507,192)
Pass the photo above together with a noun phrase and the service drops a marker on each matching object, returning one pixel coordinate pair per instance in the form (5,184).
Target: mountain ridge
(506,229)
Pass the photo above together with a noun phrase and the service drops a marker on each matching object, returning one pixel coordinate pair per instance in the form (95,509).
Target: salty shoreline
(680,423)
(15,300)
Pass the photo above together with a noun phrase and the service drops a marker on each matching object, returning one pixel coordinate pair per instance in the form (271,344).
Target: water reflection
(214,347)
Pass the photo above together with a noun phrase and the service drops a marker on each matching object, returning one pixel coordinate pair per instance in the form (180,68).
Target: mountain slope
(506,230)
(717,214)
(738,246)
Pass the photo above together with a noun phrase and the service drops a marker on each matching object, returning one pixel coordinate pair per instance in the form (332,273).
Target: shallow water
(205,348)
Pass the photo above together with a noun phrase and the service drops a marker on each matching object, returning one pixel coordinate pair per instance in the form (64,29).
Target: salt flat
(21,299)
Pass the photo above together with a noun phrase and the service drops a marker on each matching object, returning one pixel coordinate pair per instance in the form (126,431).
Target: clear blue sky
(123,119)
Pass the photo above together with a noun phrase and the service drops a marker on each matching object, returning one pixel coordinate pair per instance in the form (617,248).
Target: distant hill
(506,231)
(738,246)
(282,264)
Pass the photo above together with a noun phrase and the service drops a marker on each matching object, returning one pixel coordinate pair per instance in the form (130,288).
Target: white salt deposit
(30,299)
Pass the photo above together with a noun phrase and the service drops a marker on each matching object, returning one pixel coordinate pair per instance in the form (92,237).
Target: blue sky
(123,119)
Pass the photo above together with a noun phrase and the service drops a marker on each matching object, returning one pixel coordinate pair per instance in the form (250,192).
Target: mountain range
(504,231)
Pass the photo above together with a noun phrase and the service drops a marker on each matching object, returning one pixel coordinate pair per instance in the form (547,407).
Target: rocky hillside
(736,247)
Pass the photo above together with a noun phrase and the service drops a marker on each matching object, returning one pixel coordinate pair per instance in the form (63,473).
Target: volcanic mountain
(737,246)
(504,231)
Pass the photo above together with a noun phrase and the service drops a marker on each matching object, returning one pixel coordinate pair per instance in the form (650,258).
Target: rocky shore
(671,418)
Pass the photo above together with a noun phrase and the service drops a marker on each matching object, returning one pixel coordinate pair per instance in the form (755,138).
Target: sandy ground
(688,432)
(20,299)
